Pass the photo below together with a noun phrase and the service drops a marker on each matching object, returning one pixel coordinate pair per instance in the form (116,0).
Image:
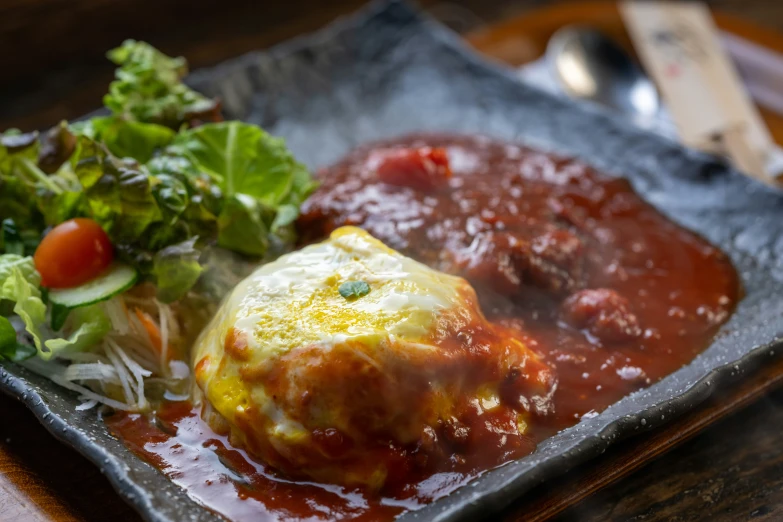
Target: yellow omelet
(337,360)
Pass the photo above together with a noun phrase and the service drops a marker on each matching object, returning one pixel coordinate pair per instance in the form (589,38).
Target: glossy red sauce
(226,480)
(607,291)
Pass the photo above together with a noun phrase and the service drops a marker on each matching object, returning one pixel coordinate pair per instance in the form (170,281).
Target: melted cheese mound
(296,302)
(319,385)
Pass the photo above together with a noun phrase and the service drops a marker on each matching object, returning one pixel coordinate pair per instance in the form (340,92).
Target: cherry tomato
(74,252)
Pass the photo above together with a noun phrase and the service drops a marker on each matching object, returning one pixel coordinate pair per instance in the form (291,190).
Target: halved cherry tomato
(74,252)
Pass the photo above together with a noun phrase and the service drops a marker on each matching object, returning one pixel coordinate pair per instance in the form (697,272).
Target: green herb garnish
(354,289)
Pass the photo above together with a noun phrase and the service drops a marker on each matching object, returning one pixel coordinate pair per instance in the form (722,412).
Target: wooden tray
(520,40)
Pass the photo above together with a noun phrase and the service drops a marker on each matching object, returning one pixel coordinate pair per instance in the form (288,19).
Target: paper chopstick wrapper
(680,48)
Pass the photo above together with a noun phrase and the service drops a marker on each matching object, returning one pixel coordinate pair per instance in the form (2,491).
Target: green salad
(112,226)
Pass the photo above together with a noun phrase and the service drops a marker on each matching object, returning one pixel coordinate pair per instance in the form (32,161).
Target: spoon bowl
(591,66)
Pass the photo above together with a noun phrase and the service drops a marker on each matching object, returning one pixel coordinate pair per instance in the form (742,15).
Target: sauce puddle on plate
(610,293)
(226,480)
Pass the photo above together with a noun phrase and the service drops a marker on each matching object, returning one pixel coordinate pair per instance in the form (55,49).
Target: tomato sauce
(606,290)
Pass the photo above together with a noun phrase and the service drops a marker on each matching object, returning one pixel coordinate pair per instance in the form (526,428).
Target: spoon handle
(680,47)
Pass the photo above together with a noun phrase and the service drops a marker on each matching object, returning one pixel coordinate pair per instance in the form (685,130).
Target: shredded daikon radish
(139,353)
(122,372)
(127,358)
(164,335)
(171,323)
(138,373)
(91,372)
(117,405)
(118,315)
(179,370)
(136,327)
(83,357)
(87,404)
(145,303)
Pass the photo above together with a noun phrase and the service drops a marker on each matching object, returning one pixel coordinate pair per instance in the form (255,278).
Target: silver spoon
(592,66)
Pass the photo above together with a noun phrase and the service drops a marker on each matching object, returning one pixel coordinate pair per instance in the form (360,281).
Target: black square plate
(390,71)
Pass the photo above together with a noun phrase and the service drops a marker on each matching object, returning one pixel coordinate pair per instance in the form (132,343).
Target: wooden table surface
(52,67)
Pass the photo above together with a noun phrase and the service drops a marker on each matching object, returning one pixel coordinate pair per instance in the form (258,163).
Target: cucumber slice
(115,280)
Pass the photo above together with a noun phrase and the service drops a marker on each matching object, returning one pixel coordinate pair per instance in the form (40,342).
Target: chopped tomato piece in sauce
(424,168)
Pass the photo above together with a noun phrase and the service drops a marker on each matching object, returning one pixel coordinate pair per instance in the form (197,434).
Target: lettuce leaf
(10,348)
(17,189)
(242,158)
(302,186)
(7,332)
(89,324)
(19,160)
(133,139)
(17,201)
(148,88)
(15,147)
(92,128)
(11,238)
(19,283)
(25,265)
(58,207)
(176,269)
(56,146)
(262,182)
(242,226)
(119,194)
(30,196)
(125,138)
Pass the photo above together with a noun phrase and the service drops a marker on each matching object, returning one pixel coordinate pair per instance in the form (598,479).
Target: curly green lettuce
(148,88)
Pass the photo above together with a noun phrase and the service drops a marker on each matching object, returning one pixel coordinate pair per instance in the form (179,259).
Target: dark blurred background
(52,63)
